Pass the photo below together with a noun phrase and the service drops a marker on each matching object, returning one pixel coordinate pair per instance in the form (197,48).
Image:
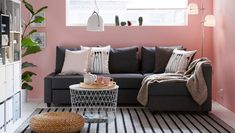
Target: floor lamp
(206,21)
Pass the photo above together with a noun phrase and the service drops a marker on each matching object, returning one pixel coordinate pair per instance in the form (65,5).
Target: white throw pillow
(75,62)
(179,61)
(99,59)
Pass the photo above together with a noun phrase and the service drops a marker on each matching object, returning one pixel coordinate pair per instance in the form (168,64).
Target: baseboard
(35,99)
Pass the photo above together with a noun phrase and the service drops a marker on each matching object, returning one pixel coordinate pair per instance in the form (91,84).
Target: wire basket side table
(96,105)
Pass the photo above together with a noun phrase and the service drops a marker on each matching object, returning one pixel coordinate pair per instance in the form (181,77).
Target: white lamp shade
(193,9)
(95,23)
(209,21)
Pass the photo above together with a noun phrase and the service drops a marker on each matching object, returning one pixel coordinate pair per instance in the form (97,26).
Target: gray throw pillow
(123,60)
(148,59)
(162,56)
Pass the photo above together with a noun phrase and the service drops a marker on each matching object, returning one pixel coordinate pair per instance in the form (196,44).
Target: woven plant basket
(57,122)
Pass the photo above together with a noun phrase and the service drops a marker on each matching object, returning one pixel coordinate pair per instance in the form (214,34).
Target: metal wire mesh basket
(96,105)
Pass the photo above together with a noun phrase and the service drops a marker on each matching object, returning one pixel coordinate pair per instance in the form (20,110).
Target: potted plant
(29,47)
(140,21)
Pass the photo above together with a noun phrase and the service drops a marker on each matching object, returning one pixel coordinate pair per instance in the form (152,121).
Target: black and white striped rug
(140,120)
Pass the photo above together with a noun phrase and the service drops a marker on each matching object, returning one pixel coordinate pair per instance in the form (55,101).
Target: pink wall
(58,34)
(224,46)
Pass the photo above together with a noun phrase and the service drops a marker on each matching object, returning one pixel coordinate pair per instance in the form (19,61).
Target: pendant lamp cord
(97,13)
(96,5)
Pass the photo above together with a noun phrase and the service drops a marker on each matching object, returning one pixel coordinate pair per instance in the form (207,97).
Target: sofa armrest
(207,73)
(51,75)
(48,88)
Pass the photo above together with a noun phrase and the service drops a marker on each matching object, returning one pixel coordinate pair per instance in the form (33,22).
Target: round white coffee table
(96,105)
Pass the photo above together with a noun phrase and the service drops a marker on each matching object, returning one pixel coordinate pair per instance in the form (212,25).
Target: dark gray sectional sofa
(128,67)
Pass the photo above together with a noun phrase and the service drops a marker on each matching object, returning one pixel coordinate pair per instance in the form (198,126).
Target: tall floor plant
(29,46)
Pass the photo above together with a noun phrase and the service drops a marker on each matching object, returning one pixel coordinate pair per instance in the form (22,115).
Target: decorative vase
(24,95)
(123,23)
(129,23)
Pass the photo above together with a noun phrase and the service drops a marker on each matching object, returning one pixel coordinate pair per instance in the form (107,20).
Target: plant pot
(24,95)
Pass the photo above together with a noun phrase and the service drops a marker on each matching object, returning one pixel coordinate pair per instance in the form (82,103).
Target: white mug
(89,78)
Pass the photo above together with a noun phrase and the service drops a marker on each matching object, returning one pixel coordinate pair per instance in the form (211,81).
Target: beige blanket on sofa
(195,82)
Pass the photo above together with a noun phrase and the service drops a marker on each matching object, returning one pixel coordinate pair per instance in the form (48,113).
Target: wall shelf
(5,30)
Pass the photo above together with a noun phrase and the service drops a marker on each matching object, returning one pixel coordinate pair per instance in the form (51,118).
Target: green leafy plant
(29,46)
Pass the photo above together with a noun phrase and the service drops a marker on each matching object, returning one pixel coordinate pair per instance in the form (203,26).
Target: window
(154,12)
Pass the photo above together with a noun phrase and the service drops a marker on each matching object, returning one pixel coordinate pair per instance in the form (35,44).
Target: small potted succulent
(140,21)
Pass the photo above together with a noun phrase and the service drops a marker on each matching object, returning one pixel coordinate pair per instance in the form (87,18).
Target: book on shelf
(1,59)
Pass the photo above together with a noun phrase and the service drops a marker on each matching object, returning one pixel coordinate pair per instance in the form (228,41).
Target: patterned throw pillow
(179,61)
(99,59)
(162,56)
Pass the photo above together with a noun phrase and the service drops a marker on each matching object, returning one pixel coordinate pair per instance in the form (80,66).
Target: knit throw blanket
(193,76)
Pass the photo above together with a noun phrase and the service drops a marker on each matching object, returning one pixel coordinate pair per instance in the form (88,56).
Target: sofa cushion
(168,89)
(127,80)
(162,56)
(132,81)
(179,61)
(75,62)
(60,54)
(64,81)
(148,57)
(98,59)
(123,60)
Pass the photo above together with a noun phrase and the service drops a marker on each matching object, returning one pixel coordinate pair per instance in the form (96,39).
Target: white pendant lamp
(209,21)
(95,21)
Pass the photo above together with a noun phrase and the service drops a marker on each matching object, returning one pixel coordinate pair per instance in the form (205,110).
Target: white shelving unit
(10,67)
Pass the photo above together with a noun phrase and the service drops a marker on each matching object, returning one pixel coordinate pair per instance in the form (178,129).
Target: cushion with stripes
(99,59)
(162,56)
(179,61)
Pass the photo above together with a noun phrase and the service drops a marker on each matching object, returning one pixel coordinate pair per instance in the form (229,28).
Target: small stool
(57,122)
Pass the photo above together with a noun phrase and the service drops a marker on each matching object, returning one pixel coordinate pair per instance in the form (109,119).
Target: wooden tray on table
(97,85)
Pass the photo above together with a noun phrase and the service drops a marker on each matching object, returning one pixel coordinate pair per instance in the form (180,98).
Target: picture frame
(40,38)
(42,24)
